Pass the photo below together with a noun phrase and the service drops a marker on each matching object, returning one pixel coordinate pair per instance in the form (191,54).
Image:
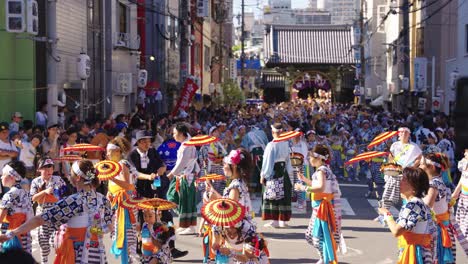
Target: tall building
(343,11)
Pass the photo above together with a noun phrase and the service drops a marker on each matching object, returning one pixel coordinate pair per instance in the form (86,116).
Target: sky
(256,6)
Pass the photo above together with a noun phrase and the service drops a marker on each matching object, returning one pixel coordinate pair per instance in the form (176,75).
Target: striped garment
(391,193)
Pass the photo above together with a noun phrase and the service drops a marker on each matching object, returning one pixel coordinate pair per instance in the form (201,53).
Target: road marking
(346,208)
(374,203)
(353,185)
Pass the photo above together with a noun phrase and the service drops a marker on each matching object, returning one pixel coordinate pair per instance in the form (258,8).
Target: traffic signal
(32,17)
(15,20)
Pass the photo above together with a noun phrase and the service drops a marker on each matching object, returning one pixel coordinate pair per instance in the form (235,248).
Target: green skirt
(186,199)
(279,209)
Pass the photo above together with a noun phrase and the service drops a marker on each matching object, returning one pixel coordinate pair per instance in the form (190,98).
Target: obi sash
(48,199)
(124,219)
(14,221)
(325,225)
(207,244)
(147,246)
(65,253)
(444,243)
(412,244)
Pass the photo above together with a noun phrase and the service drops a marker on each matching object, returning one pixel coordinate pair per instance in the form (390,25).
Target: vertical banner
(190,87)
(420,74)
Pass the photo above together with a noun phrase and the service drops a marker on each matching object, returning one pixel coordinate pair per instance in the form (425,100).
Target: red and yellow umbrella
(382,138)
(287,136)
(131,203)
(201,140)
(367,156)
(223,212)
(83,147)
(108,169)
(212,177)
(156,203)
(70,158)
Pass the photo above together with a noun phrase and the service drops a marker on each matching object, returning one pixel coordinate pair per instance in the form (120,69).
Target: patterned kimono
(246,241)
(462,206)
(17,202)
(324,230)
(149,250)
(244,196)
(185,170)
(415,217)
(47,230)
(215,152)
(446,247)
(278,172)
(255,142)
(124,234)
(84,218)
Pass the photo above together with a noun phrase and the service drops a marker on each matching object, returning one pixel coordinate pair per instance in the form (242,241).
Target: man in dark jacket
(147,160)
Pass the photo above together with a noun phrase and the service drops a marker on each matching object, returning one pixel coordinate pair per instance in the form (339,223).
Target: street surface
(368,242)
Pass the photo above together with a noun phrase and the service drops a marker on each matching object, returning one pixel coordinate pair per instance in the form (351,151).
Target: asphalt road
(367,241)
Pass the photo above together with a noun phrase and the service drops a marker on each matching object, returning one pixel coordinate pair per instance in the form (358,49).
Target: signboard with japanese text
(420,74)
(190,87)
(203,8)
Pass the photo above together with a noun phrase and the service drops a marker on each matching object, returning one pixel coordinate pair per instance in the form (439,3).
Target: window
(123,26)
(382,12)
(206,58)
(466,38)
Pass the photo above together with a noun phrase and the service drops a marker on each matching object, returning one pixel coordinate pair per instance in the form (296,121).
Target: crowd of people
(74,209)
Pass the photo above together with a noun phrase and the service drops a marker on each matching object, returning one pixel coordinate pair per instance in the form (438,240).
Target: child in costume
(155,238)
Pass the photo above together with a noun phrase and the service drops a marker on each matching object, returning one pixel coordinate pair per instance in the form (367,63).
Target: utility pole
(361,49)
(406,48)
(242,60)
(52,58)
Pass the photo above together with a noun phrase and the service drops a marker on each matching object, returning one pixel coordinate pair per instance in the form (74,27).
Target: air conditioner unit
(124,83)
(121,39)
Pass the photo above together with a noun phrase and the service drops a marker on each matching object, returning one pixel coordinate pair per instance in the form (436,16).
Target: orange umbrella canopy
(212,177)
(131,203)
(366,156)
(108,169)
(84,147)
(156,203)
(201,140)
(382,138)
(288,135)
(70,158)
(223,212)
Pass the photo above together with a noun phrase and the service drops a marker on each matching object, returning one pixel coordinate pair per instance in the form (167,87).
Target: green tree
(232,93)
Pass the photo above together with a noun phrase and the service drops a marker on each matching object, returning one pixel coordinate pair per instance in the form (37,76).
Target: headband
(315,154)
(111,146)
(88,177)
(403,129)
(12,172)
(276,130)
(430,162)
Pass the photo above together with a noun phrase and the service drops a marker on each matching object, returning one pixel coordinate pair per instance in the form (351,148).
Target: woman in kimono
(414,227)
(324,231)
(15,206)
(182,176)
(84,217)
(215,152)
(276,175)
(46,190)
(461,194)
(122,187)
(438,198)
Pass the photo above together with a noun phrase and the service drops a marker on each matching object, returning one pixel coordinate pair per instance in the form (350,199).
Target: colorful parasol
(156,203)
(382,138)
(131,203)
(108,169)
(367,156)
(70,158)
(212,177)
(223,212)
(84,147)
(201,140)
(288,135)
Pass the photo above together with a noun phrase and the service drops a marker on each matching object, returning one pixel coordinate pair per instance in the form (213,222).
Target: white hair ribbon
(276,130)
(430,162)
(7,169)
(315,154)
(76,169)
(111,146)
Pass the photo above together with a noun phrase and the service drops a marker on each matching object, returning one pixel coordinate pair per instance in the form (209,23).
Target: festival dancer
(87,215)
(438,199)
(215,153)
(414,228)
(461,193)
(255,142)
(183,180)
(324,231)
(155,238)
(298,146)
(46,190)
(276,175)
(121,188)
(15,207)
